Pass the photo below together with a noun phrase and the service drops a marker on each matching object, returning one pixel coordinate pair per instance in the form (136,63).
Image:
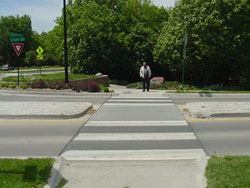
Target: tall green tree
(218,42)
(14,24)
(112,37)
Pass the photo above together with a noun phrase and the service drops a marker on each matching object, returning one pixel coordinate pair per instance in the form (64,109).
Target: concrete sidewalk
(218,109)
(43,110)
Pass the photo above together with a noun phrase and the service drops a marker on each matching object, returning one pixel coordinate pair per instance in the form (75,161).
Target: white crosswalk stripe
(137,123)
(136,136)
(109,142)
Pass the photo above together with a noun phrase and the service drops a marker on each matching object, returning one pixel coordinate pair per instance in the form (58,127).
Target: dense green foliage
(218,49)
(14,24)
(113,37)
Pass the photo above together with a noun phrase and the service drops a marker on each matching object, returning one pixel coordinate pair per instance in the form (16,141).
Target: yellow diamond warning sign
(40,50)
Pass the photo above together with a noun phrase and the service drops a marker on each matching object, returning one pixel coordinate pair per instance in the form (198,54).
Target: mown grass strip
(47,77)
(228,172)
(28,173)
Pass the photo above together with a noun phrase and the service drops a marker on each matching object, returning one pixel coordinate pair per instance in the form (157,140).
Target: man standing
(145,74)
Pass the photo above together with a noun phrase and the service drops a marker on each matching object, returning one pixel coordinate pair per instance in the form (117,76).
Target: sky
(44,12)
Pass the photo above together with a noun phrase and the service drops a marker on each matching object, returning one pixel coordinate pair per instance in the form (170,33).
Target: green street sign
(13,40)
(40,50)
(16,35)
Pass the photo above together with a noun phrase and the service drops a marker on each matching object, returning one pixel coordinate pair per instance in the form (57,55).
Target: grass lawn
(30,173)
(43,67)
(228,172)
(176,87)
(33,71)
(47,77)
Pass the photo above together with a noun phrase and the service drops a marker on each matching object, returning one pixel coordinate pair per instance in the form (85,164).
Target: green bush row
(11,85)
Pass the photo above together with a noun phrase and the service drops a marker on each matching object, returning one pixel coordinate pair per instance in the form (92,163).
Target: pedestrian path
(135,140)
(134,126)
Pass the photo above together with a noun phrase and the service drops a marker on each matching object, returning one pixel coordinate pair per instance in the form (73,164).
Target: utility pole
(65,44)
(184,56)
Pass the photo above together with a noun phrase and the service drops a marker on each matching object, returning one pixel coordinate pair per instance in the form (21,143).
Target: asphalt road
(36,137)
(224,136)
(40,137)
(95,99)
(220,136)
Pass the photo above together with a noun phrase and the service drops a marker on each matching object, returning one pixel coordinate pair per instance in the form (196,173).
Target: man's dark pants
(145,81)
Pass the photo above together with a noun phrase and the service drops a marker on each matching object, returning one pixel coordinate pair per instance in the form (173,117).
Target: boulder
(99,74)
(157,80)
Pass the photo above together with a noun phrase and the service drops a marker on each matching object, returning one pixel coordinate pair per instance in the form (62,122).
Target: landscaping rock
(99,74)
(157,80)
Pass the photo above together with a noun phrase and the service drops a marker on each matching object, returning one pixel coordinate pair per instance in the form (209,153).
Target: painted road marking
(219,120)
(134,136)
(137,123)
(138,104)
(134,100)
(40,121)
(177,154)
(139,97)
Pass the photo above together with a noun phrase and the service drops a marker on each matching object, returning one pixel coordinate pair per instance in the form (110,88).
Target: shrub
(119,82)
(76,70)
(24,86)
(103,88)
(57,85)
(12,86)
(5,85)
(41,84)
(93,87)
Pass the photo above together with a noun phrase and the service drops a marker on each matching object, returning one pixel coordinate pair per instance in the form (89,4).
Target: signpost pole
(65,44)
(18,72)
(184,57)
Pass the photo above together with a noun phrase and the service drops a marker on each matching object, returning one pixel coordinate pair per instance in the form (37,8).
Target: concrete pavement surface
(183,98)
(219,109)
(140,135)
(43,110)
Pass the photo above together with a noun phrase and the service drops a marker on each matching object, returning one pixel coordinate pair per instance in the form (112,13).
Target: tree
(112,37)
(30,58)
(219,38)
(14,24)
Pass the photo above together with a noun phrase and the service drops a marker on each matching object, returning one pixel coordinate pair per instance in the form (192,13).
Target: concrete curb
(225,115)
(64,116)
(22,92)
(55,175)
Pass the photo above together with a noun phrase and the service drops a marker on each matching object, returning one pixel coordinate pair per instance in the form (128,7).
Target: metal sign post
(185,40)
(18,48)
(65,43)
(40,51)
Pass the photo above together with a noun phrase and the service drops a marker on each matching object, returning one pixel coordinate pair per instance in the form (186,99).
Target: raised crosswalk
(134,128)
